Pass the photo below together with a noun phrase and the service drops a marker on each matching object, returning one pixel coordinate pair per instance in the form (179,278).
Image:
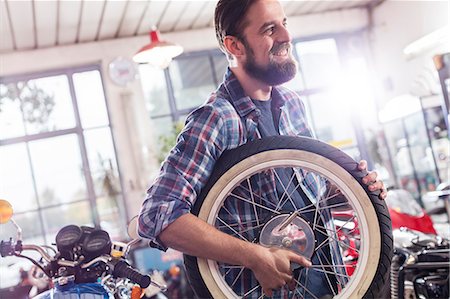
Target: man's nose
(284,36)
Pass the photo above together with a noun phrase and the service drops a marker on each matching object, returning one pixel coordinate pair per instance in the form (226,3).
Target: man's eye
(270,30)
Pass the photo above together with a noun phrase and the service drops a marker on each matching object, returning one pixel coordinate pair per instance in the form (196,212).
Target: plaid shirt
(227,120)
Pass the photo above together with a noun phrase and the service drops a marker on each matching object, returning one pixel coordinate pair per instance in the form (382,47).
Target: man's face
(268,48)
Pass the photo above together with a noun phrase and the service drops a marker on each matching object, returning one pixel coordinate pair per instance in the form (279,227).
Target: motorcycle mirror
(132,228)
(6,211)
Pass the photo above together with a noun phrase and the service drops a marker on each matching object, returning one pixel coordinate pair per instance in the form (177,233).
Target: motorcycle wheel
(252,161)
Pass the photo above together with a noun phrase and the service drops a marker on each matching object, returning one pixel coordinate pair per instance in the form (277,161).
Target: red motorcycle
(405,213)
(420,267)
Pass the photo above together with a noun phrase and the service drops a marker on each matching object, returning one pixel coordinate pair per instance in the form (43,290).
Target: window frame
(78,130)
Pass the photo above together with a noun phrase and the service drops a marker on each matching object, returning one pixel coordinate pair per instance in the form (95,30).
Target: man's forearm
(193,236)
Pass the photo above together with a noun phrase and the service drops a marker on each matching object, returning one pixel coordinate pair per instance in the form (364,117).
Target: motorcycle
(86,263)
(420,266)
(421,261)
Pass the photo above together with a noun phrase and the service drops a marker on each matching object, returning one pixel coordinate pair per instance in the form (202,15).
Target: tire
(254,162)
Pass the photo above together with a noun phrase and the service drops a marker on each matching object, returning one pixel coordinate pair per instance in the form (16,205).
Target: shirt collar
(232,90)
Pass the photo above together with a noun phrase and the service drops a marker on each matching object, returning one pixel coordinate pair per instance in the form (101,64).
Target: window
(57,157)
(171,94)
(330,109)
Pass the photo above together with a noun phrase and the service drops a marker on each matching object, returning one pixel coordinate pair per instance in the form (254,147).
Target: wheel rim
(369,236)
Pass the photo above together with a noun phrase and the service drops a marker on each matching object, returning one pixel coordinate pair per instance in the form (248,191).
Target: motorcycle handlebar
(8,248)
(122,269)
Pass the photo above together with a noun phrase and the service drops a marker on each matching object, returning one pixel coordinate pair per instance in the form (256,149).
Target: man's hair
(229,19)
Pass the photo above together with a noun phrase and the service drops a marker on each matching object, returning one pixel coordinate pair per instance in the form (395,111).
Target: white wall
(130,122)
(395,25)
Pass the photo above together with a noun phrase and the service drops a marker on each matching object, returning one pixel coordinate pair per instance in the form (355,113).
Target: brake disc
(289,231)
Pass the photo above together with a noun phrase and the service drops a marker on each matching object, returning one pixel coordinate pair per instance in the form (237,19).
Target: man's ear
(233,46)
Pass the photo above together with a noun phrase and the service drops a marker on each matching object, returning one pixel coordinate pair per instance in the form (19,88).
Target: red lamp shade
(158,53)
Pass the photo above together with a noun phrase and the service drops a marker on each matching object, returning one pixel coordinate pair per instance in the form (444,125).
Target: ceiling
(35,24)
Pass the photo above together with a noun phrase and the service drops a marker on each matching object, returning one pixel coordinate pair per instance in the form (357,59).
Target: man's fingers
(378,185)
(362,165)
(301,260)
(292,284)
(370,177)
(267,292)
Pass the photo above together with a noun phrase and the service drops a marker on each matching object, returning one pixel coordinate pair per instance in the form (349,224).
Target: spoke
(256,204)
(257,196)
(232,266)
(298,292)
(305,209)
(336,239)
(305,289)
(326,276)
(329,272)
(306,281)
(327,241)
(326,198)
(327,266)
(339,281)
(253,200)
(238,219)
(323,231)
(318,207)
(252,290)
(237,278)
(241,225)
(251,228)
(237,233)
(316,214)
(288,196)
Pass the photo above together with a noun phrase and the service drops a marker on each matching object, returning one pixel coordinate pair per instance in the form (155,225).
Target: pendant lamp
(159,52)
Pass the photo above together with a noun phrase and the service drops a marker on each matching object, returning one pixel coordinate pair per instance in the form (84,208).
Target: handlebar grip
(122,269)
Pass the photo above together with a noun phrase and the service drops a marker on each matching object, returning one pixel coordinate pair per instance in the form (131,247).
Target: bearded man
(249,104)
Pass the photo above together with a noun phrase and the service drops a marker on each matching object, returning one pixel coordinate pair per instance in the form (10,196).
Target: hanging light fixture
(158,53)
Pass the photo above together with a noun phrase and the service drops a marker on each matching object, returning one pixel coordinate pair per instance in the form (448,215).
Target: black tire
(323,154)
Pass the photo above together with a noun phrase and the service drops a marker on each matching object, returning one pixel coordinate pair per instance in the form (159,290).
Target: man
(253,35)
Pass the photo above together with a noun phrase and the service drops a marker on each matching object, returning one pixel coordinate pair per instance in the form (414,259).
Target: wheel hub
(290,232)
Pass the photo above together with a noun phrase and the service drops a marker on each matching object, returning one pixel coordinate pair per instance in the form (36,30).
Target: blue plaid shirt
(227,120)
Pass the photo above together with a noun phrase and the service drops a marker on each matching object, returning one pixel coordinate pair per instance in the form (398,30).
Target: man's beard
(275,73)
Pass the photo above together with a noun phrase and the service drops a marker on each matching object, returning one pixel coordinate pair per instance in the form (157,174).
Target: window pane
(16,183)
(192,81)
(110,218)
(10,266)
(422,154)
(165,135)
(437,131)
(296,84)
(46,104)
(319,62)
(155,90)
(336,127)
(220,66)
(58,170)
(90,99)
(56,218)
(398,146)
(11,121)
(102,161)
(30,224)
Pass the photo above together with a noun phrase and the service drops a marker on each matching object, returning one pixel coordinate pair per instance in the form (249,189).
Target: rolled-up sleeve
(184,173)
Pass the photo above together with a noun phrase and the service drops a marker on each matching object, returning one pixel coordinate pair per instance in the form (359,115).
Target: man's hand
(371,180)
(271,267)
